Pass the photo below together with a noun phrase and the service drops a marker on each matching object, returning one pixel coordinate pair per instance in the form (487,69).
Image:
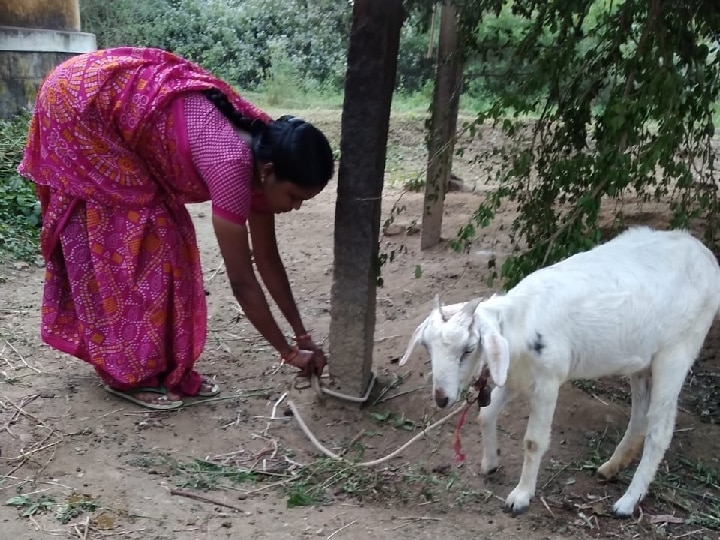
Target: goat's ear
(471,306)
(416,337)
(448,310)
(498,356)
(438,307)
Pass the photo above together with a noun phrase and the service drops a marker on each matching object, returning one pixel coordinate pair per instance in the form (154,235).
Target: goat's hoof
(489,466)
(515,510)
(517,502)
(624,507)
(607,472)
(490,469)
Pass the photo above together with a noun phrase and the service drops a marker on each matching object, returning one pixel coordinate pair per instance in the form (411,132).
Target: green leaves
(29,505)
(19,208)
(300,497)
(232,38)
(75,505)
(398,421)
(622,97)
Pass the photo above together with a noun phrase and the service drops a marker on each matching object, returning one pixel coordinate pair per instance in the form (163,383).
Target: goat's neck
(512,313)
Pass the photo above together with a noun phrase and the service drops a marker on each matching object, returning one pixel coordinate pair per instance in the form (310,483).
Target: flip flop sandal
(214,390)
(164,404)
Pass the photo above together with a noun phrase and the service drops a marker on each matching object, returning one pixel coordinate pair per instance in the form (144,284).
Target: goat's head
(460,340)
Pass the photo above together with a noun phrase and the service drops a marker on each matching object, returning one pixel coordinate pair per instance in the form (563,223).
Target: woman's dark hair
(300,152)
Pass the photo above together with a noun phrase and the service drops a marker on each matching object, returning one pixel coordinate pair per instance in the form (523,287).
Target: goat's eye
(468,351)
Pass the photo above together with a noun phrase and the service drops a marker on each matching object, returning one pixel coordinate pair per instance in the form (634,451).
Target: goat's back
(630,297)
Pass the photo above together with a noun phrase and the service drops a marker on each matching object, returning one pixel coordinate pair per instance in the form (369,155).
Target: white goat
(639,305)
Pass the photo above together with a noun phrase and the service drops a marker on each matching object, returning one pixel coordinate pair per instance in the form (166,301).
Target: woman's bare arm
(272,269)
(235,250)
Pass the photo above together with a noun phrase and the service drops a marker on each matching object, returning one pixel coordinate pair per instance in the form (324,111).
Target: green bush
(237,40)
(19,208)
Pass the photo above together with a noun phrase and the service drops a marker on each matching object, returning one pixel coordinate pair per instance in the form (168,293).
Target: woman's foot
(150,398)
(208,389)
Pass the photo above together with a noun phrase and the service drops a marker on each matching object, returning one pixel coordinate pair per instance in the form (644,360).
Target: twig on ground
(355,439)
(554,476)
(204,499)
(111,412)
(689,533)
(220,267)
(269,486)
(24,402)
(25,456)
(410,519)
(340,529)
(254,392)
(22,358)
(404,393)
(22,482)
(399,379)
(10,422)
(545,504)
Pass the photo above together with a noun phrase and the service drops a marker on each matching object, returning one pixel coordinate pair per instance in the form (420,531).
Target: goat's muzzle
(441,400)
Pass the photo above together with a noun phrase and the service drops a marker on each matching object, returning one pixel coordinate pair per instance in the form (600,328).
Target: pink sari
(107,150)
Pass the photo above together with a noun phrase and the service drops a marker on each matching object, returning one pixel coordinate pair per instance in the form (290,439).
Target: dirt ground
(79,463)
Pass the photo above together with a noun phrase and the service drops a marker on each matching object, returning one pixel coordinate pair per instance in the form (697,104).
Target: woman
(120,141)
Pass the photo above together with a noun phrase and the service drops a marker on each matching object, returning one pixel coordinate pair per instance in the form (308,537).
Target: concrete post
(369,84)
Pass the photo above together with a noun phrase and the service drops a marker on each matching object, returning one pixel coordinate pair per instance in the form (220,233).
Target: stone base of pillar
(26,57)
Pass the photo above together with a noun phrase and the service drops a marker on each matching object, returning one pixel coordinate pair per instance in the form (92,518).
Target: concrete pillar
(48,14)
(369,84)
(35,36)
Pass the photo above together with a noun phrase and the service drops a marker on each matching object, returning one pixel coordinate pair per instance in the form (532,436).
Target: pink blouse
(223,161)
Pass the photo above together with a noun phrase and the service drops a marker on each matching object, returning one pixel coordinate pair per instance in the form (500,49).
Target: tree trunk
(443,123)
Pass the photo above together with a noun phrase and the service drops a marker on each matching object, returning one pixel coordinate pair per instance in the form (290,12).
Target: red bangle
(303,337)
(290,358)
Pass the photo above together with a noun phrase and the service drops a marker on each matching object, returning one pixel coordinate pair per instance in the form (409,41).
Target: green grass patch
(72,507)
(321,482)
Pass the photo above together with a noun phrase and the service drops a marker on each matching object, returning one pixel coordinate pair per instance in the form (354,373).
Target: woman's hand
(305,361)
(305,342)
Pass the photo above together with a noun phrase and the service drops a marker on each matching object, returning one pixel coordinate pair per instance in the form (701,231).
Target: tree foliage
(239,40)
(601,100)
(624,94)
(248,42)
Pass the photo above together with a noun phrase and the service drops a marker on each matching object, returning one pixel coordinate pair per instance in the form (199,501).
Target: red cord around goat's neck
(483,401)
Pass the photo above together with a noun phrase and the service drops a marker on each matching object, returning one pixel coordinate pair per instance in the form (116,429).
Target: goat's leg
(668,375)
(487,418)
(632,441)
(536,442)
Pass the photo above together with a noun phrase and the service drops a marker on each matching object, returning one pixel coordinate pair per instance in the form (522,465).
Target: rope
(321,391)
(330,454)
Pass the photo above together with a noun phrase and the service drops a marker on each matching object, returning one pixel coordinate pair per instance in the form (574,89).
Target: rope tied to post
(482,398)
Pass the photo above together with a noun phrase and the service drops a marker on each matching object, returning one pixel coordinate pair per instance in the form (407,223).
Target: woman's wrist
(288,354)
